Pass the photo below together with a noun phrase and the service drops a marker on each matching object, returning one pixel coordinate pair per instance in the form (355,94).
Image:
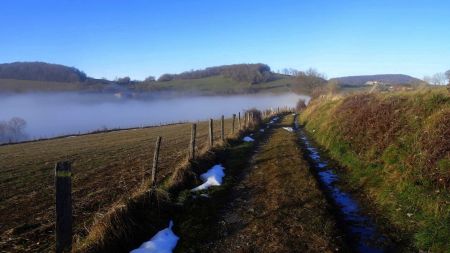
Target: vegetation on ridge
(396,147)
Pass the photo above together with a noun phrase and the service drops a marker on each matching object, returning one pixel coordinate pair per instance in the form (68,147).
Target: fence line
(63,176)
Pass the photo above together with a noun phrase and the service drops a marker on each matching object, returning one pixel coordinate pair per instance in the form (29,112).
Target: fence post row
(63,195)
(211,133)
(245,119)
(232,125)
(222,128)
(192,143)
(155,162)
(239,120)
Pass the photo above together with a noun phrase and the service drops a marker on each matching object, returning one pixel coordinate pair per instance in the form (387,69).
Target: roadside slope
(396,150)
(275,205)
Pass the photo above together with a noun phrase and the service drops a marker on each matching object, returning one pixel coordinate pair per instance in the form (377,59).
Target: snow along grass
(289,129)
(164,241)
(248,139)
(213,177)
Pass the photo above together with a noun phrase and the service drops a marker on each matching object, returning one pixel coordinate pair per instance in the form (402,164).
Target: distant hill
(41,71)
(385,79)
(249,73)
(20,77)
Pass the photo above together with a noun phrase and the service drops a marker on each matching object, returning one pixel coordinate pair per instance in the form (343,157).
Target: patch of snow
(261,130)
(163,242)
(289,129)
(213,177)
(248,139)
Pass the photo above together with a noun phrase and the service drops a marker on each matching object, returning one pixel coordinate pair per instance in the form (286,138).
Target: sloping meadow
(395,146)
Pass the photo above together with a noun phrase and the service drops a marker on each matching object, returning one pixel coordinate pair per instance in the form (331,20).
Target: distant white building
(370,83)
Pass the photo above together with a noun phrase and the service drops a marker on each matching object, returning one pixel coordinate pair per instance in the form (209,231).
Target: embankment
(395,149)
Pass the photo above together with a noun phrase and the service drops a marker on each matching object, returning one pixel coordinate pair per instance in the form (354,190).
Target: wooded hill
(390,79)
(41,71)
(219,80)
(249,73)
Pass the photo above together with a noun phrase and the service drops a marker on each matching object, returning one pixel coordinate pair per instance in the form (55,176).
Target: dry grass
(107,167)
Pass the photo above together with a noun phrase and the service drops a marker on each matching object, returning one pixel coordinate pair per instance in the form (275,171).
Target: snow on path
(248,139)
(163,242)
(289,129)
(213,177)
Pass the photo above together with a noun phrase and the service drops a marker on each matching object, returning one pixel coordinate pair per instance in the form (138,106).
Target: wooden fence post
(211,133)
(192,143)
(155,162)
(63,195)
(245,120)
(232,125)
(239,120)
(222,128)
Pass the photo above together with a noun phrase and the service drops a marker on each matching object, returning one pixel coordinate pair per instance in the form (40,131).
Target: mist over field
(50,115)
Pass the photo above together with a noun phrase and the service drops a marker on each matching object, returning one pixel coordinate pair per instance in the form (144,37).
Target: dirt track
(276,205)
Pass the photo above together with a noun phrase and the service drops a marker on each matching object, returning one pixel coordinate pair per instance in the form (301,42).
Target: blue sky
(112,38)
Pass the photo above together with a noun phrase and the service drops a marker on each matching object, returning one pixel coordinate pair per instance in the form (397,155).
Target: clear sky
(113,38)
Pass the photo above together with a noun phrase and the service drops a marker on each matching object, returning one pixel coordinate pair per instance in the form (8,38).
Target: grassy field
(106,166)
(215,85)
(12,85)
(396,147)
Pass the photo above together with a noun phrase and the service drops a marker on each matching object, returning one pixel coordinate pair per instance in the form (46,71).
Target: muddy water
(360,229)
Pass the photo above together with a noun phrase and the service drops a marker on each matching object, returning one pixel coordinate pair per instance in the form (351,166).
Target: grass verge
(395,147)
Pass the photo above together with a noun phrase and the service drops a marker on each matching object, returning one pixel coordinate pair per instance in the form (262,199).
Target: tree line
(41,71)
(250,73)
(440,78)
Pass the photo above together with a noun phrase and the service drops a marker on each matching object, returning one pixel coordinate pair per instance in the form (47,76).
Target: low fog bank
(50,115)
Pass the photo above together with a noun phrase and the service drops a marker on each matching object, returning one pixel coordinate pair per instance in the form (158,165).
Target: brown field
(106,167)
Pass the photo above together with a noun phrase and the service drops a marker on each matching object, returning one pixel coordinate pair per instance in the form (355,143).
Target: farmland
(107,167)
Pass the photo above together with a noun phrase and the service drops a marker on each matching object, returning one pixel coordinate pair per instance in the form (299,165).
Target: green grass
(215,85)
(396,147)
(12,85)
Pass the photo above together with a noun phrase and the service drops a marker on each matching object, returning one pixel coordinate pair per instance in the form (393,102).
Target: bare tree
(17,126)
(439,79)
(447,74)
(13,130)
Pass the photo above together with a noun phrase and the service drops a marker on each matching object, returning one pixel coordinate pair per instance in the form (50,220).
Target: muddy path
(274,205)
(362,233)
